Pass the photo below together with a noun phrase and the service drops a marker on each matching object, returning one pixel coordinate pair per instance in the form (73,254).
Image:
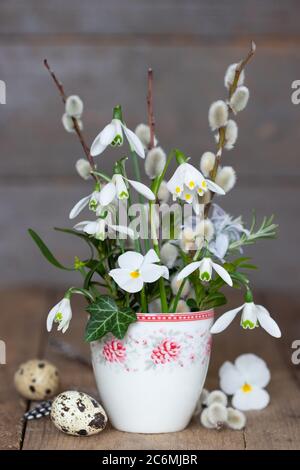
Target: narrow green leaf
(79,235)
(46,252)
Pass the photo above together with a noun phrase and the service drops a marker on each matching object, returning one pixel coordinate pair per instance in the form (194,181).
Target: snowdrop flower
(155,162)
(163,194)
(245,380)
(61,314)
(239,99)
(252,316)
(112,134)
(182,307)
(168,254)
(218,114)
(230,74)
(74,106)
(226,178)
(205,266)
(175,286)
(207,163)
(117,188)
(83,168)
(143,133)
(92,200)
(187,182)
(231,134)
(68,124)
(136,269)
(98,228)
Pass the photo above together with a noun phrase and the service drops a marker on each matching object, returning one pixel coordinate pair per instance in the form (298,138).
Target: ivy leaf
(107,317)
(46,252)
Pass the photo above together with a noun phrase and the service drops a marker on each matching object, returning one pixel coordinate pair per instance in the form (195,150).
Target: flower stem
(144,303)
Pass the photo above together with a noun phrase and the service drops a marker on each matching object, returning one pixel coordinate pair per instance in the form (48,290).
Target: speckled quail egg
(78,414)
(37,379)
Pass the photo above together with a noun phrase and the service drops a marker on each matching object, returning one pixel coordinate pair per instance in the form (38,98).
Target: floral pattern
(114,351)
(166,351)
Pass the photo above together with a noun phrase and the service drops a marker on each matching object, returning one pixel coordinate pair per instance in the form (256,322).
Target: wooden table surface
(22,327)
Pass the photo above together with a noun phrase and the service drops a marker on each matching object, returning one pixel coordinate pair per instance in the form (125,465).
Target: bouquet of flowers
(164,247)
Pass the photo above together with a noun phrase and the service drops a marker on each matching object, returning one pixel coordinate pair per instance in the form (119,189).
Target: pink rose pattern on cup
(114,351)
(166,351)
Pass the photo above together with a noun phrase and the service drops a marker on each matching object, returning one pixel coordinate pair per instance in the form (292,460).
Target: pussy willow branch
(151,120)
(63,95)
(222,141)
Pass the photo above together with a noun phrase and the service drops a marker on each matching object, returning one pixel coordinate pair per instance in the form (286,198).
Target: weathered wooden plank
(34,143)
(20,328)
(43,206)
(206,18)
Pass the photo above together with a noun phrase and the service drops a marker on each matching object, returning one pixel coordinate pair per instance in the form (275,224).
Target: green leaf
(107,317)
(79,235)
(46,252)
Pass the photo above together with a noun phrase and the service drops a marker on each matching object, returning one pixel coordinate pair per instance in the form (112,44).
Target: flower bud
(83,168)
(230,74)
(239,99)
(231,134)
(74,106)
(68,123)
(235,419)
(163,192)
(217,114)
(226,178)
(175,285)
(155,162)
(207,162)
(182,307)
(168,255)
(143,133)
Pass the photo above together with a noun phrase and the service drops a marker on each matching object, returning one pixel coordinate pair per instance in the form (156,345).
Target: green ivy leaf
(107,317)
(46,252)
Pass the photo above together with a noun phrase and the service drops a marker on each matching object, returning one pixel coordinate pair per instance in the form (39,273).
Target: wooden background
(101,51)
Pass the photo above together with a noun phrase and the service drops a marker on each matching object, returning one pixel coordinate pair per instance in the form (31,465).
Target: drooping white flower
(207,162)
(117,188)
(143,133)
(187,183)
(252,316)
(239,99)
(68,123)
(74,106)
(230,74)
(155,162)
(168,254)
(98,227)
(92,200)
(226,178)
(231,134)
(175,286)
(245,380)
(83,168)
(136,269)
(112,134)
(218,114)
(163,194)
(61,314)
(236,420)
(205,266)
(182,307)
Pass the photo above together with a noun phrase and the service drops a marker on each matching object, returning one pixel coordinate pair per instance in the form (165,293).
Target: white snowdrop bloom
(226,178)
(207,162)
(163,194)
(83,168)
(231,134)
(168,254)
(252,316)
(235,419)
(112,134)
(61,314)
(217,415)
(217,396)
(239,99)
(92,200)
(97,228)
(68,124)
(175,286)
(136,269)
(187,183)
(74,106)
(143,133)
(155,162)
(245,380)
(205,266)
(230,74)
(117,188)
(182,307)
(218,115)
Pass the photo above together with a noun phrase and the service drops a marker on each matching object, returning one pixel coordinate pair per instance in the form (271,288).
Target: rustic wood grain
(207,19)
(21,311)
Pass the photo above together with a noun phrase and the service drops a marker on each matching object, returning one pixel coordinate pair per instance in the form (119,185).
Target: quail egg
(37,379)
(78,414)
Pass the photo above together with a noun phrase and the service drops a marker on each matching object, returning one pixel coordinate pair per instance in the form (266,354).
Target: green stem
(159,179)
(144,304)
(137,174)
(102,175)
